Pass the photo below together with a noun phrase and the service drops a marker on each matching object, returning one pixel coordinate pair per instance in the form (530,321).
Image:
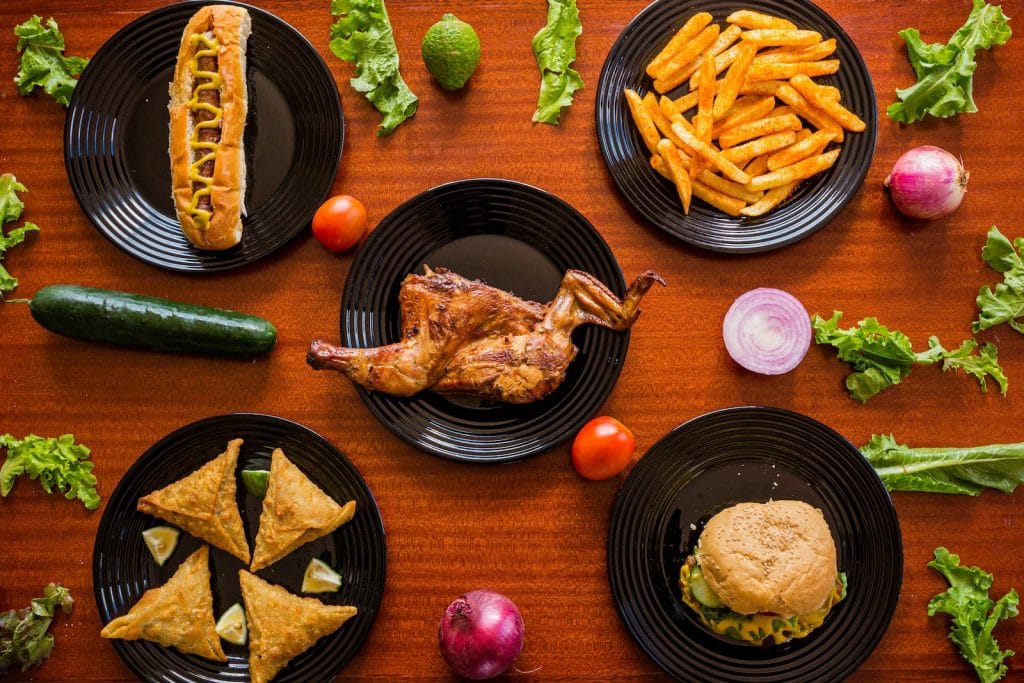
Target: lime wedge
(231,625)
(161,541)
(255,482)
(320,578)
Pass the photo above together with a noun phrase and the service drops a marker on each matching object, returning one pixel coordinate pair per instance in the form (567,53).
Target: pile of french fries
(771,121)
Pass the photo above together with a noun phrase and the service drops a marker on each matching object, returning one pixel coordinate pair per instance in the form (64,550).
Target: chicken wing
(462,336)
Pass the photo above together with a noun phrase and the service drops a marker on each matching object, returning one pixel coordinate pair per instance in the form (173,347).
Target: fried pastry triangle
(282,625)
(204,504)
(178,614)
(295,512)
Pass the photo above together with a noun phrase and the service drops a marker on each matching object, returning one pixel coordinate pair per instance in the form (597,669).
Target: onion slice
(767,331)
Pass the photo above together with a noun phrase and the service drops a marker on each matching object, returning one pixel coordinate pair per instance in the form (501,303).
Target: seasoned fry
(805,109)
(774,71)
(757,109)
(664,124)
(802,149)
(741,154)
(678,62)
(702,120)
(677,170)
(724,40)
(757,166)
(780,111)
(770,200)
(761,87)
(734,77)
(796,172)
(811,53)
(705,151)
(730,205)
(789,37)
(722,62)
(642,119)
(694,25)
(759,128)
(728,187)
(681,104)
(749,19)
(815,95)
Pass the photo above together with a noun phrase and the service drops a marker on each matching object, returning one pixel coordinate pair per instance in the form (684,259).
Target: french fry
(774,71)
(806,110)
(702,120)
(796,172)
(758,108)
(813,93)
(724,40)
(734,77)
(741,154)
(681,104)
(659,165)
(728,187)
(759,128)
(761,87)
(722,61)
(801,149)
(664,124)
(780,111)
(769,200)
(757,166)
(680,177)
(788,37)
(721,201)
(749,19)
(701,149)
(642,119)
(684,35)
(804,54)
(678,62)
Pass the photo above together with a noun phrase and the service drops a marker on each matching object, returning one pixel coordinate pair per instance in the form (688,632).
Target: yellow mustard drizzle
(212,81)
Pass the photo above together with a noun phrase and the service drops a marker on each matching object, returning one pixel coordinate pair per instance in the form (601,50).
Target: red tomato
(602,449)
(339,223)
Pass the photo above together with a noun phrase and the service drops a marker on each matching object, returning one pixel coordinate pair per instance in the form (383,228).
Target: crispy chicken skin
(462,336)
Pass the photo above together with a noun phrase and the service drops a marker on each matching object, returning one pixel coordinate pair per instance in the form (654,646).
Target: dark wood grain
(532,530)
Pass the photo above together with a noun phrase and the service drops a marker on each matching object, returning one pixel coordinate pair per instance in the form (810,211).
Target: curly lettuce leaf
(882,358)
(11,207)
(57,463)
(42,63)
(966,471)
(945,73)
(1004,303)
(363,34)
(24,637)
(554,47)
(975,615)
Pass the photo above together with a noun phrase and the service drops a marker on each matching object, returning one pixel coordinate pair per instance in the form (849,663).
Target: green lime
(451,51)
(320,578)
(255,482)
(232,627)
(161,541)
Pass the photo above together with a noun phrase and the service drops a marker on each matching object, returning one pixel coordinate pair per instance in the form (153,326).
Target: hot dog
(208,106)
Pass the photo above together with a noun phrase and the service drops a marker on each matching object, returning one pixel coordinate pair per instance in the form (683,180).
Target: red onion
(767,331)
(480,634)
(927,183)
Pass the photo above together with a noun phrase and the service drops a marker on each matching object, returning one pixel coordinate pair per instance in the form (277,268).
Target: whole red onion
(480,634)
(927,182)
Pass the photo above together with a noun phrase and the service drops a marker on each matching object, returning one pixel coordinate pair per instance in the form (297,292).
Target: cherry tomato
(339,223)
(602,449)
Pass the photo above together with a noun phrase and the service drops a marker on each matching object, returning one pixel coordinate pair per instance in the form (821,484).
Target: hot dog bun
(213,221)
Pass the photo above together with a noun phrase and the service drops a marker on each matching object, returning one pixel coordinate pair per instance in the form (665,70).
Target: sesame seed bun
(776,557)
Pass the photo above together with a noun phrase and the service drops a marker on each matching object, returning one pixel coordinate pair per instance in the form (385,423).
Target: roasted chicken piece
(463,336)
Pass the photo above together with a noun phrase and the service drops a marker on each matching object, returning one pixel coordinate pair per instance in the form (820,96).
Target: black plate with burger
(755,544)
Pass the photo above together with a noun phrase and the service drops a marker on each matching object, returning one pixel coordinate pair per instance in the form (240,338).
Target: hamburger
(763,573)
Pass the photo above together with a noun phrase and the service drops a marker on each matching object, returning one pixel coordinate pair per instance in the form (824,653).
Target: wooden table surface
(533,530)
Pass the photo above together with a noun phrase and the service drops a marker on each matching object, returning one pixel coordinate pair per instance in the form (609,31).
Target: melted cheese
(758,628)
(210,80)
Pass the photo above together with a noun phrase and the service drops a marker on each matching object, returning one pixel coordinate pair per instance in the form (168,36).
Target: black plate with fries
(751,454)
(815,201)
(517,238)
(123,568)
(115,140)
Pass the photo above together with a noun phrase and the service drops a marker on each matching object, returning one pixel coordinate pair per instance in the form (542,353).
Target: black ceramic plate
(515,237)
(123,569)
(115,140)
(751,454)
(814,203)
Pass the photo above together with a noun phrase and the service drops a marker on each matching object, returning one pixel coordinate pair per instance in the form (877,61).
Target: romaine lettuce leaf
(965,471)
(42,63)
(945,73)
(57,463)
(974,613)
(1005,303)
(554,47)
(11,207)
(363,34)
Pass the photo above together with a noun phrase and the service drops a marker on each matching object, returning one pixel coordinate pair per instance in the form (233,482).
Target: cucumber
(151,323)
(703,592)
